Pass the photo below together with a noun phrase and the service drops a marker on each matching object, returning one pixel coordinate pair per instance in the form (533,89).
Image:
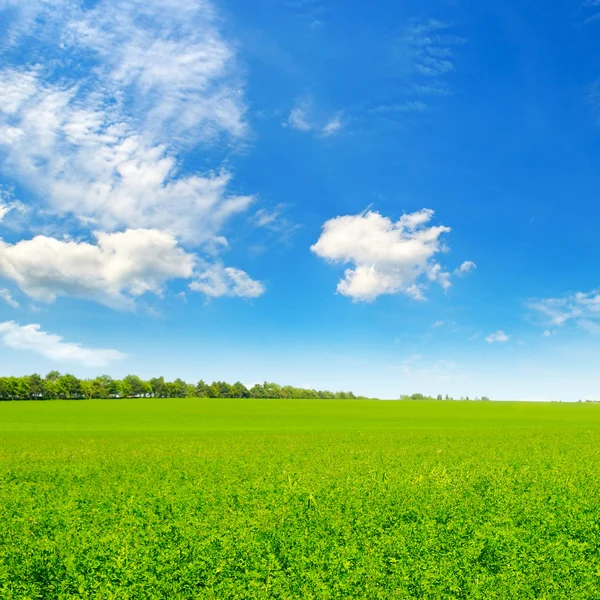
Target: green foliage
(308,499)
(68,387)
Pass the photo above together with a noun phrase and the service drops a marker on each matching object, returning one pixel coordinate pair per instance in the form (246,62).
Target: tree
(36,386)
(159,388)
(239,390)
(257,391)
(201,389)
(135,385)
(439,397)
(69,387)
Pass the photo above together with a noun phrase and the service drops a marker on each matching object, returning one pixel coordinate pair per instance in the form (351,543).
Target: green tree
(159,387)
(201,389)
(239,390)
(257,391)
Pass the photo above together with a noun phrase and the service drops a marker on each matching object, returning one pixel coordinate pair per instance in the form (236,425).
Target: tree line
(440,397)
(68,387)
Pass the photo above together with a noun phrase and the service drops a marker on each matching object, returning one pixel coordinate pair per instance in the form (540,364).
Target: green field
(197,498)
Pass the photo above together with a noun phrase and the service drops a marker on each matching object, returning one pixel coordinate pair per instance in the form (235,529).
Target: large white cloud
(388,257)
(119,267)
(31,337)
(107,146)
(106,143)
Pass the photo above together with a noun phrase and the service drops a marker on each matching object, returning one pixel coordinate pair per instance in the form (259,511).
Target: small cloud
(465,268)
(474,336)
(498,336)
(32,338)
(305,117)
(547,333)
(217,281)
(332,127)
(5,295)
(298,119)
(437,324)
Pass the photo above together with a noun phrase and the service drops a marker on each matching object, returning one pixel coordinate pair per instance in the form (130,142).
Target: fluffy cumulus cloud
(498,336)
(32,338)
(388,257)
(105,144)
(218,281)
(114,270)
(581,309)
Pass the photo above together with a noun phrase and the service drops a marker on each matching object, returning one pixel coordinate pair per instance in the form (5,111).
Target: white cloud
(498,336)
(304,117)
(7,297)
(581,309)
(547,333)
(388,257)
(465,268)
(118,268)
(107,147)
(217,281)
(298,119)
(106,144)
(437,324)
(31,337)
(333,126)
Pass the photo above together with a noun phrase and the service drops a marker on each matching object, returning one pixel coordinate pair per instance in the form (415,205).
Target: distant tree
(135,386)
(257,391)
(439,397)
(53,376)
(36,386)
(239,390)
(179,389)
(447,398)
(417,397)
(213,390)
(201,390)
(485,398)
(225,390)
(69,387)
(159,387)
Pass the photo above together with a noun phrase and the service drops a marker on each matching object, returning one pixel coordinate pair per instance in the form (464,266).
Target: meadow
(190,498)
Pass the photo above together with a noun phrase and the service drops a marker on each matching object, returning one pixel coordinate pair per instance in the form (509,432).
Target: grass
(299,499)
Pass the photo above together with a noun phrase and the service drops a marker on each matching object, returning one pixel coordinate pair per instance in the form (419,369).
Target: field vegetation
(226,498)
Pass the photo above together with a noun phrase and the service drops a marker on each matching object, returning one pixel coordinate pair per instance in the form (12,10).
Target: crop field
(189,498)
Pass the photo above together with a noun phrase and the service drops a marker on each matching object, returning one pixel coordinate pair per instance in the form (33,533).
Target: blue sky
(381,197)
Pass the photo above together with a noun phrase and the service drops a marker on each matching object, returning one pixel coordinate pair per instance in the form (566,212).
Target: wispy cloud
(306,117)
(425,54)
(217,281)
(103,145)
(7,297)
(498,336)
(33,338)
(275,221)
(581,309)
(465,268)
